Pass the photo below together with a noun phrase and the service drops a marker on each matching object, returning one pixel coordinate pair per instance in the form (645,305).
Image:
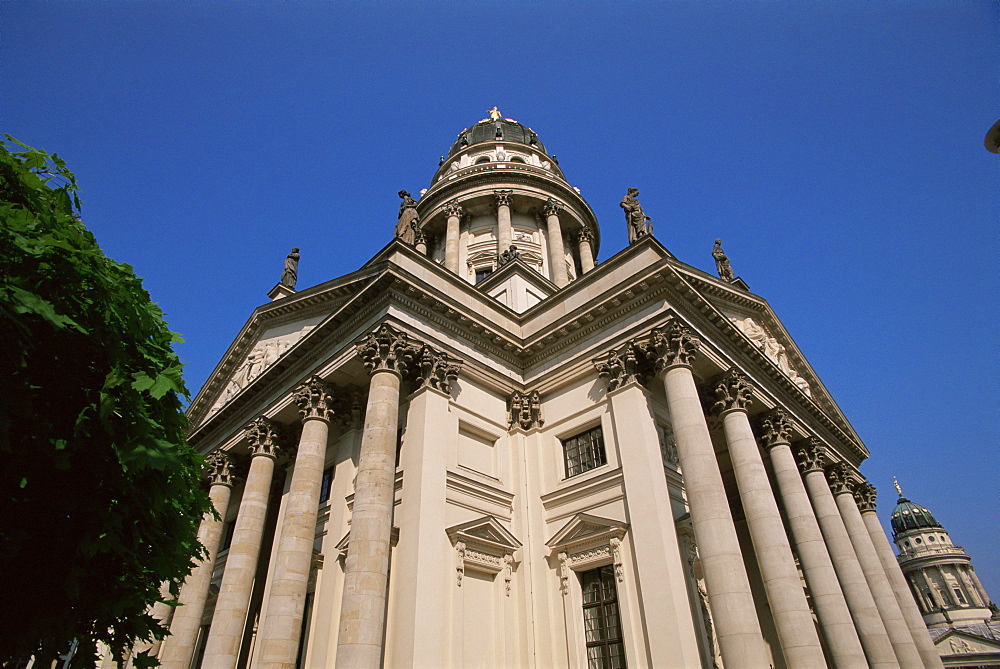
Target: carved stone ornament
(773,349)
(508,255)
(220,468)
(524,410)
(314,399)
(811,455)
(626,365)
(265,437)
(386,349)
(501,198)
(674,345)
(841,478)
(865,495)
(436,369)
(552,207)
(483,545)
(587,542)
(732,393)
(585,234)
(453,208)
(776,428)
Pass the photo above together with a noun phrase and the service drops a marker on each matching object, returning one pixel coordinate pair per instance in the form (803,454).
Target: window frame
(590,456)
(606,629)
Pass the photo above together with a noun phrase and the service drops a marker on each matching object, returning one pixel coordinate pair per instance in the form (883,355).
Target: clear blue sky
(835,147)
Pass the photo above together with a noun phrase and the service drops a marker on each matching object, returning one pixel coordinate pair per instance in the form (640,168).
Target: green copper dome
(496,130)
(909,516)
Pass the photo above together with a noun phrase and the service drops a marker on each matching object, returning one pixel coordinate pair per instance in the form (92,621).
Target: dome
(909,516)
(496,130)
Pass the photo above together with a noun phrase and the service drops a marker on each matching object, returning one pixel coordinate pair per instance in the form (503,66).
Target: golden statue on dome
(494,113)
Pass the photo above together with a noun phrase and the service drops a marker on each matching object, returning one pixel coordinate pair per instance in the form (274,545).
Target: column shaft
(740,640)
(907,605)
(224,637)
(794,622)
(859,598)
(362,613)
(670,631)
(557,253)
(178,648)
(885,600)
(504,230)
(586,254)
(281,624)
(828,599)
(419,639)
(451,243)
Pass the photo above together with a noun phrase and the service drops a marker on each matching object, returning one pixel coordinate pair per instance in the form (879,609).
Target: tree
(100,495)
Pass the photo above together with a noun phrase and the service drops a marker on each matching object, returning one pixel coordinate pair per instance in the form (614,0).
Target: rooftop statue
(291,272)
(406,226)
(722,262)
(636,219)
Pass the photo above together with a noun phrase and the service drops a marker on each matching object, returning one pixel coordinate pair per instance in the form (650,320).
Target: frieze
(771,348)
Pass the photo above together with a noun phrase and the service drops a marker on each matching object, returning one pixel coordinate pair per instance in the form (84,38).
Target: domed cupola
(910,516)
(498,197)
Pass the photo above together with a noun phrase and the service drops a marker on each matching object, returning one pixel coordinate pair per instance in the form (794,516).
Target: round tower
(940,573)
(499,189)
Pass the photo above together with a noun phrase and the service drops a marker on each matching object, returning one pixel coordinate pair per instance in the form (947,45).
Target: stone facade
(485,449)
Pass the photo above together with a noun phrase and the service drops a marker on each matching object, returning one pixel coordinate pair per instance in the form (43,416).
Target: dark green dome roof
(909,516)
(500,130)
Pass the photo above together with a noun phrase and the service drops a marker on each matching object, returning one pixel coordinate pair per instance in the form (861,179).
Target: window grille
(584,452)
(602,620)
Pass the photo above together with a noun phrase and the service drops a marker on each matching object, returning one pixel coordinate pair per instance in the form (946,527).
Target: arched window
(517,159)
(482,159)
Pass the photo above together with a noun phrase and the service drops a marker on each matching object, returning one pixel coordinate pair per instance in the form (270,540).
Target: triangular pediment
(583,528)
(958,641)
(487,531)
(517,286)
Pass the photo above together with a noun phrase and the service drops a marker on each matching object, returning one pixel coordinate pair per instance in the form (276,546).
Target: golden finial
(494,113)
(896,483)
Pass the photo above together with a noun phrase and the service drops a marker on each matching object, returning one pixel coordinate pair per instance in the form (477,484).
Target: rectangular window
(324,487)
(482,273)
(960,596)
(584,452)
(601,619)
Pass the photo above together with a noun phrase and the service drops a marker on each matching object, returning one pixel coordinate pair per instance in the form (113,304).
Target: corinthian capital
(264,437)
(552,207)
(501,198)
(812,455)
(776,428)
(674,345)
(386,349)
(220,468)
(314,399)
(732,392)
(585,234)
(865,495)
(628,364)
(524,410)
(841,478)
(436,369)
(453,208)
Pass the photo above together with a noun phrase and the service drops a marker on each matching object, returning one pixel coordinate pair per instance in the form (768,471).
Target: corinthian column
(841,480)
(792,618)
(178,648)
(865,495)
(387,357)
(224,637)
(281,624)
(585,240)
(557,254)
(501,198)
(867,620)
(740,639)
(834,617)
(454,213)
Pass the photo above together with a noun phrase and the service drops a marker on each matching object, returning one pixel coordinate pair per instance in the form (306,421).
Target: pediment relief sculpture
(261,356)
(772,348)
